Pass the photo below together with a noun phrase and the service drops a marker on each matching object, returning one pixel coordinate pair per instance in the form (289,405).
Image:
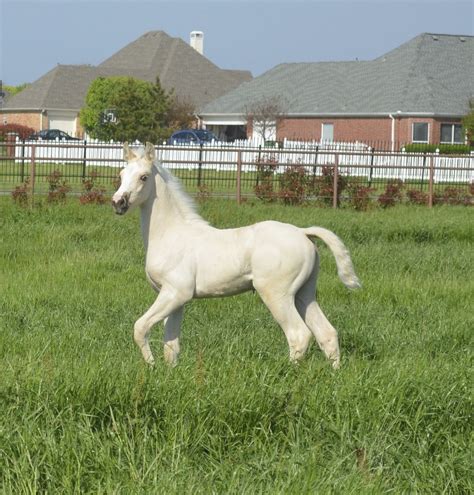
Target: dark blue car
(192,136)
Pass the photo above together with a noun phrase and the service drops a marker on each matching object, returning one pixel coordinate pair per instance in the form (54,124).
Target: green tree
(13,90)
(468,123)
(126,109)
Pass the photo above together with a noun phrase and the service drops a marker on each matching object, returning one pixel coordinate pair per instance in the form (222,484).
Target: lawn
(81,413)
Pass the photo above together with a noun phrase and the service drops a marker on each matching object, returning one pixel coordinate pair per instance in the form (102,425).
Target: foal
(187,258)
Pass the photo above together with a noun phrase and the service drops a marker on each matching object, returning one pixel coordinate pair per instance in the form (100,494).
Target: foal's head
(136,181)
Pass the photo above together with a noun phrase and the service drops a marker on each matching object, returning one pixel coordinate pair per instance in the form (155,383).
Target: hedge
(444,149)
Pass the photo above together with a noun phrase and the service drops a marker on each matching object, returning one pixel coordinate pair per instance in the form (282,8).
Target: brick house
(54,100)
(418,92)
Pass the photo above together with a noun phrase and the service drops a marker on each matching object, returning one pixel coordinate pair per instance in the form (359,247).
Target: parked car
(51,135)
(192,136)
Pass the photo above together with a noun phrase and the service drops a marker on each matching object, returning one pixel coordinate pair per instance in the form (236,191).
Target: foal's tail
(345,269)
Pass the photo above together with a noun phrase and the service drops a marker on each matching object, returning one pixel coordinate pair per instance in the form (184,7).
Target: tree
(181,114)
(264,115)
(468,122)
(126,109)
(13,90)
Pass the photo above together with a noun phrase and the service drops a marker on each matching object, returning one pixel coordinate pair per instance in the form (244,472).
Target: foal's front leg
(168,301)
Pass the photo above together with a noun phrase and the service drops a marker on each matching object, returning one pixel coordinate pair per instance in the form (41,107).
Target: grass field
(80,412)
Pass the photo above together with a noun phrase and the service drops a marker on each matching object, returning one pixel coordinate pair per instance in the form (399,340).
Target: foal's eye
(143,178)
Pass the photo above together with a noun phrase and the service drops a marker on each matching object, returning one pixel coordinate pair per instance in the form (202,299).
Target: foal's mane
(182,201)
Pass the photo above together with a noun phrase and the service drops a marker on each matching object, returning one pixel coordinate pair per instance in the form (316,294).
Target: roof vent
(196,40)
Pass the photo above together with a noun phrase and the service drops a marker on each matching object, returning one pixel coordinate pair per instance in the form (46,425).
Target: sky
(254,35)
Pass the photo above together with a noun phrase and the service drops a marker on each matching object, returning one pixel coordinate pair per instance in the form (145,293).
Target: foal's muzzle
(121,205)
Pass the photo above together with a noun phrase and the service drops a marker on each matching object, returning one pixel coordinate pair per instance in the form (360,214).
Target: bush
(266,166)
(92,193)
(455,196)
(393,194)
(444,149)
(20,194)
(204,193)
(417,197)
(359,196)
(57,188)
(22,131)
(324,185)
(293,184)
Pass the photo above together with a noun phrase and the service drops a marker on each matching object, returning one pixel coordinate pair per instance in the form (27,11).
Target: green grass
(81,413)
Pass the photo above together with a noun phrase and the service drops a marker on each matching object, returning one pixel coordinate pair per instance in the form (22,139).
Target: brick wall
(357,129)
(370,130)
(35,120)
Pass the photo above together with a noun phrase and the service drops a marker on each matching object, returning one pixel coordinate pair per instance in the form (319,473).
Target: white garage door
(65,121)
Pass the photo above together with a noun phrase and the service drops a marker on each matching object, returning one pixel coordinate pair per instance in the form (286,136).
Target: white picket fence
(354,159)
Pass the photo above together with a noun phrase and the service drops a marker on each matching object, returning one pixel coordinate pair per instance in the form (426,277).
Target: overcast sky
(254,35)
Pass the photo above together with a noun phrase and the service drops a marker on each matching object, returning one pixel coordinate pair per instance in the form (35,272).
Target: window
(452,133)
(327,132)
(420,132)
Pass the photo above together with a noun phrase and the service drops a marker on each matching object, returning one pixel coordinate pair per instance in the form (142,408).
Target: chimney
(196,40)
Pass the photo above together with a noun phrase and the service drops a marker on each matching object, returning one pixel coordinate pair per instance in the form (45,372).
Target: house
(418,92)
(54,100)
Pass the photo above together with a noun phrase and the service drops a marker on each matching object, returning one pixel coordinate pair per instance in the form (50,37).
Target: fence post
(431,182)
(33,175)
(84,161)
(334,187)
(423,172)
(22,161)
(315,165)
(258,162)
(371,171)
(239,176)
(200,166)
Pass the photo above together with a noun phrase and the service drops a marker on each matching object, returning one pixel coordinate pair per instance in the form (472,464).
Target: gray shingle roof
(428,74)
(63,87)
(177,64)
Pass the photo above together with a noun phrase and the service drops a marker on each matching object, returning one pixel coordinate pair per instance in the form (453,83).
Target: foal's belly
(216,287)
(223,264)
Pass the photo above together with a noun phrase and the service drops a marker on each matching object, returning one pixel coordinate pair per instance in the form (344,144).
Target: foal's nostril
(121,205)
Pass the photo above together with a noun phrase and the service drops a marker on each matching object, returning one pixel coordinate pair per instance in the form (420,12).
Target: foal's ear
(128,154)
(149,152)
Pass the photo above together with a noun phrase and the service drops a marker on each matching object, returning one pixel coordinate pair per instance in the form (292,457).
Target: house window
(452,133)
(420,132)
(327,132)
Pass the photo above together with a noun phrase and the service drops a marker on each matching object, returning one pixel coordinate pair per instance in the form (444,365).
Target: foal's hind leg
(284,311)
(167,302)
(324,332)
(171,337)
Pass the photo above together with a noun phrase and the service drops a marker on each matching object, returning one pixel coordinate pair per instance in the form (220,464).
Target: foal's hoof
(336,364)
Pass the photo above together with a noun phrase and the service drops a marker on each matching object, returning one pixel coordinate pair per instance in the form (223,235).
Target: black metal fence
(332,173)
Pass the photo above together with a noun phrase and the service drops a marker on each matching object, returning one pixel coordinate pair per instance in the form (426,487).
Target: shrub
(393,194)
(293,184)
(23,131)
(444,149)
(20,194)
(57,188)
(417,197)
(359,195)
(455,196)
(324,185)
(204,193)
(266,166)
(92,193)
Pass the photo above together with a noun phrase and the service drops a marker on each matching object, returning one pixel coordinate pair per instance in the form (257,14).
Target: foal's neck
(168,206)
